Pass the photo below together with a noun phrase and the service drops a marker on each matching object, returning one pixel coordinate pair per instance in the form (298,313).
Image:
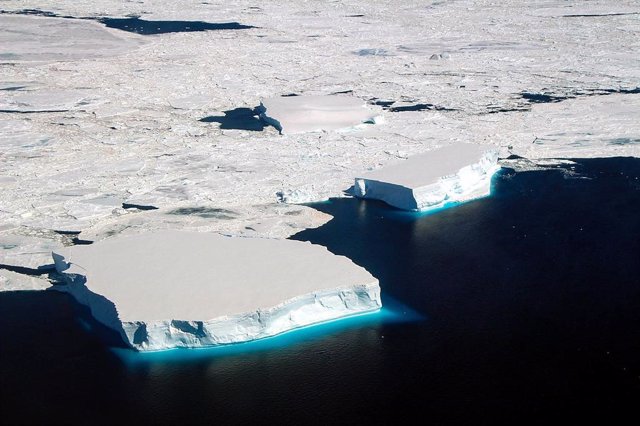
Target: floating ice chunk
(455,173)
(101,206)
(26,251)
(298,114)
(13,281)
(180,289)
(29,38)
(297,196)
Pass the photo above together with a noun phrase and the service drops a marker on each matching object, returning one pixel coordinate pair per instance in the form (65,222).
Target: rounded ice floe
(182,289)
(456,173)
(299,114)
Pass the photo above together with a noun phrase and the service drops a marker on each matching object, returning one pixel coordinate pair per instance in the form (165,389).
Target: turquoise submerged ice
(169,289)
(456,173)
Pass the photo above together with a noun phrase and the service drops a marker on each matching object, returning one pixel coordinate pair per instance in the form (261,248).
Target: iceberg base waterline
(303,311)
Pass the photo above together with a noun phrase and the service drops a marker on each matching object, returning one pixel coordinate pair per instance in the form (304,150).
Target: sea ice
(455,173)
(29,38)
(133,110)
(299,114)
(182,289)
(27,251)
(12,281)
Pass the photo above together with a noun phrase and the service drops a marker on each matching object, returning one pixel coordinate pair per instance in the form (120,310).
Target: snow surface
(97,115)
(182,289)
(300,114)
(456,173)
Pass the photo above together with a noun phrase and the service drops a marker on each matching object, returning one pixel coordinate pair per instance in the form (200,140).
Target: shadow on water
(138,206)
(42,270)
(388,106)
(542,98)
(599,15)
(532,294)
(419,107)
(51,369)
(13,88)
(239,119)
(545,98)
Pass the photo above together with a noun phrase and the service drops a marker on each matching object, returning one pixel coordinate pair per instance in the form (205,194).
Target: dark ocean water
(523,307)
(134,24)
(141,26)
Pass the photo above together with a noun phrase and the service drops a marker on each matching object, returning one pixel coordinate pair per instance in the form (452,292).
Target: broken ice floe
(14,281)
(455,173)
(25,250)
(179,289)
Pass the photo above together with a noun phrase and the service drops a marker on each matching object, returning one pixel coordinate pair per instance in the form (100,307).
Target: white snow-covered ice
(299,114)
(455,173)
(91,116)
(169,289)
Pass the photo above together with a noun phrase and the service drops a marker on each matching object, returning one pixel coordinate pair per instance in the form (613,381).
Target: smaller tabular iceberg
(183,289)
(299,114)
(455,173)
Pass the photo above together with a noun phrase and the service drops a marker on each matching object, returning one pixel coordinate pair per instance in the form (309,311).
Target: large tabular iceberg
(299,114)
(181,289)
(456,173)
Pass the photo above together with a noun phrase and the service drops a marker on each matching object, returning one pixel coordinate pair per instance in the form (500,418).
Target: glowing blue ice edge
(417,214)
(392,312)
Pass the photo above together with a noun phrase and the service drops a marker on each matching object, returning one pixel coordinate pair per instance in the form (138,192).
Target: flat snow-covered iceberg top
(298,114)
(455,173)
(181,289)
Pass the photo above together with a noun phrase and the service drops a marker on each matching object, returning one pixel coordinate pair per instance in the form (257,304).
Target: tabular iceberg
(456,173)
(182,289)
(298,114)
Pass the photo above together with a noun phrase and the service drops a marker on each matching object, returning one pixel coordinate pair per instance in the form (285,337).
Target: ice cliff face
(193,289)
(456,173)
(299,312)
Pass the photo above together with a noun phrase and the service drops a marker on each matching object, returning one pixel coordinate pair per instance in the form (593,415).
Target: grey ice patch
(205,212)
(372,52)
(624,141)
